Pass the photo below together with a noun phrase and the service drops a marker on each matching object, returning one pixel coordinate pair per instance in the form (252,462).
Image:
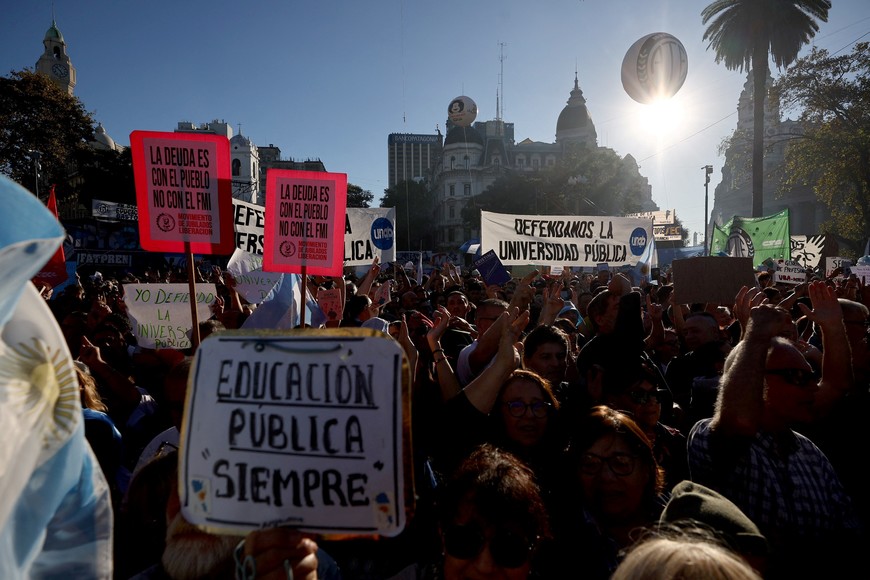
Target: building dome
(53,33)
(102,139)
(240,141)
(574,122)
(458,135)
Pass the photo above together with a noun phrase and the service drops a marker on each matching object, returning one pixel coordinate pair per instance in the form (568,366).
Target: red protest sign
(305,215)
(183,192)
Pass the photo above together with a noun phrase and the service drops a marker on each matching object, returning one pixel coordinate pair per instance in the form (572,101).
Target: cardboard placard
(252,283)
(183,192)
(305,429)
(711,279)
(160,313)
(305,219)
(790,273)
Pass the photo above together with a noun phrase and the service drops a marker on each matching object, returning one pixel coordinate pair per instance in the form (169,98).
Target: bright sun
(662,119)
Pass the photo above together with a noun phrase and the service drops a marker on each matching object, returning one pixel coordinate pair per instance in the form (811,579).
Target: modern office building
(412,157)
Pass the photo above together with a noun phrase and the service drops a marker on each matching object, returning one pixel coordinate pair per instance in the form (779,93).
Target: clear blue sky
(331,79)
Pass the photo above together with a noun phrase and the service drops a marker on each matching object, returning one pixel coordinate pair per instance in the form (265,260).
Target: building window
(550,161)
(536,162)
(237,167)
(452,189)
(466,162)
(521,161)
(452,211)
(496,160)
(452,162)
(467,189)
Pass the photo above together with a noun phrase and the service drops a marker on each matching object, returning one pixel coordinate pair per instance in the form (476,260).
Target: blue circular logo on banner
(382,234)
(637,242)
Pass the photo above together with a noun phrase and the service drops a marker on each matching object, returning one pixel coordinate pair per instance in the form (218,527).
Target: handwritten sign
(862,272)
(302,429)
(790,273)
(183,192)
(252,283)
(305,211)
(567,240)
(835,262)
(160,313)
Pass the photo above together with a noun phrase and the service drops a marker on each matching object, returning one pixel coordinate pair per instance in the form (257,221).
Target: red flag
(54,271)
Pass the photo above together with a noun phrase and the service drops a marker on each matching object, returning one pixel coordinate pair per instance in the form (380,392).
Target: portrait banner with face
(304,428)
(568,240)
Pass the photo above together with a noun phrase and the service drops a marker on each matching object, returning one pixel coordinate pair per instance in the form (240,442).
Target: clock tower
(54,62)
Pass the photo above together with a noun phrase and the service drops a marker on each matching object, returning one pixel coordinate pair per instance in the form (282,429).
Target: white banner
(369,232)
(248,222)
(569,240)
(252,283)
(111,211)
(160,313)
(665,217)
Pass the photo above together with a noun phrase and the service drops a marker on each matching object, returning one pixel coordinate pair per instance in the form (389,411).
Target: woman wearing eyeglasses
(637,391)
(615,491)
(491,521)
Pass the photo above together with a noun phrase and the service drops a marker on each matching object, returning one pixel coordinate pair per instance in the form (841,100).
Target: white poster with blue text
(549,240)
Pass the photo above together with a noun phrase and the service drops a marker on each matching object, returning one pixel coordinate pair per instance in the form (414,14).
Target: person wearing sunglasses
(615,487)
(491,521)
(749,452)
(636,389)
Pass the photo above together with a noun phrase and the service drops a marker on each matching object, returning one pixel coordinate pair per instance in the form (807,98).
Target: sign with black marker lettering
(183,192)
(160,313)
(301,429)
(550,240)
(305,215)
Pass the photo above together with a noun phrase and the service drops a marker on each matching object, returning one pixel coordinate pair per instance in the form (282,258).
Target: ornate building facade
(733,195)
(474,157)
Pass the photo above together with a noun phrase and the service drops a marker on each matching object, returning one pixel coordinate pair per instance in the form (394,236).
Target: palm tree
(745,34)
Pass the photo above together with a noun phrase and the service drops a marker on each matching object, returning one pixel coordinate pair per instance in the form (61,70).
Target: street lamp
(35,156)
(708,170)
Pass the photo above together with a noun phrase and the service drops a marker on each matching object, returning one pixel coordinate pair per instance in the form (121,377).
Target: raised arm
(447,381)
(483,391)
(837,378)
(741,390)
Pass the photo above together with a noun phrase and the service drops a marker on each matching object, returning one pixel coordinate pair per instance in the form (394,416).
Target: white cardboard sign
(299,429)
(160,313)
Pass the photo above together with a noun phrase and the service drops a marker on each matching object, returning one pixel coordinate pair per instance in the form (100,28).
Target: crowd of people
(570,426)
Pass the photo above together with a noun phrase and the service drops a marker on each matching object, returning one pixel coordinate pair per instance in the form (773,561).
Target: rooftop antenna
(499,106)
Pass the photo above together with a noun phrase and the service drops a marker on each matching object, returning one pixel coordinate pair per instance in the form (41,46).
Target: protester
(749,452)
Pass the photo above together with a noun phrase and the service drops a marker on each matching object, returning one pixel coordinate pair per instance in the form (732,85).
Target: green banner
(757,238)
